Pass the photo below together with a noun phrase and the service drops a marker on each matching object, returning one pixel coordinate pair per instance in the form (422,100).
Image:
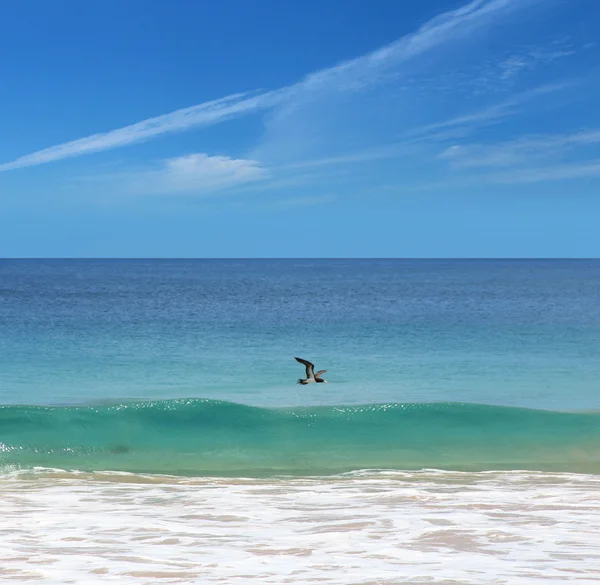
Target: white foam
(363,528)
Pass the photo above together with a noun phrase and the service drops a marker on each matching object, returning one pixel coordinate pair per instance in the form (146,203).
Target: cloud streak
(349,76)
(448,26)
(393,92)
(589,169)
(585,170)
(518,152)
(204,114)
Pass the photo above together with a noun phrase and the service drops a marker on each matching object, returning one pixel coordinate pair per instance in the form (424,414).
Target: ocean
(152,430)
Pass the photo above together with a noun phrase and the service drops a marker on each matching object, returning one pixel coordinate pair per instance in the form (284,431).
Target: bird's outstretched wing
(310,368)
(319,373)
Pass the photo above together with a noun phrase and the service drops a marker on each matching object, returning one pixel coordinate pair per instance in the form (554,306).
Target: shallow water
(361,528)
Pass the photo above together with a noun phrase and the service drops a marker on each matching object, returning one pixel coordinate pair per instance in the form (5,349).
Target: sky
(421,128)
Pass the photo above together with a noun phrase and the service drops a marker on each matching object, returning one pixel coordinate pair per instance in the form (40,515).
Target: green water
(203,437)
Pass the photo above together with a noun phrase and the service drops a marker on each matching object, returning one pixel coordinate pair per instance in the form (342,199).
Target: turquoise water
(203,437)
(443,364)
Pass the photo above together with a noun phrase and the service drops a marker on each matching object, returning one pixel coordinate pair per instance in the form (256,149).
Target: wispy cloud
(204,114)
(422,108)
(395,93)
(434,134)
(449,26)
(561,172)
(505,70)
(535,174)
(530,59)
(519,152)
(486,115)
(351,75)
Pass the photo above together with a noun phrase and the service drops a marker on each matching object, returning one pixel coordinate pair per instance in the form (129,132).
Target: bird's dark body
(311,377)
(305,382)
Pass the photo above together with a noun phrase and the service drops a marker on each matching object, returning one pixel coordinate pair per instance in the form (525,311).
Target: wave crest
(207,437)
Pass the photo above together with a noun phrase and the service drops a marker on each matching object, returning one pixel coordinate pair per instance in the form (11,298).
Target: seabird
(311,377)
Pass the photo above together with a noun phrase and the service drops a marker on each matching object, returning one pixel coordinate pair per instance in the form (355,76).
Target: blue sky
(300,129)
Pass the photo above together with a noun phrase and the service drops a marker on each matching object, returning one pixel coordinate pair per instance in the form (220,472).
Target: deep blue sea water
(108,346)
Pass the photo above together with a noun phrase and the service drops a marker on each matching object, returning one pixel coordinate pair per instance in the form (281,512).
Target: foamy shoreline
(360,528)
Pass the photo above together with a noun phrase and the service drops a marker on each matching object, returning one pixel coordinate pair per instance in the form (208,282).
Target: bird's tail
(300,380)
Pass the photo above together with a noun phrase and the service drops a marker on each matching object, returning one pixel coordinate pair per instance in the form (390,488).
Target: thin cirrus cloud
(348,77)
(385,94)
(521,151)
(431,98)
(589,169)
(204,114)
(562,172)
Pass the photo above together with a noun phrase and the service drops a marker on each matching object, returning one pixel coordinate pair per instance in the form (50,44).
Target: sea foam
(370,527)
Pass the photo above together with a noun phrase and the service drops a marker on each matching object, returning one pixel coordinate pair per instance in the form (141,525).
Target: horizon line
(312,258)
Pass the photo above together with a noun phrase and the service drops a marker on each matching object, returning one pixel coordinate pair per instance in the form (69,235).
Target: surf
(200,437)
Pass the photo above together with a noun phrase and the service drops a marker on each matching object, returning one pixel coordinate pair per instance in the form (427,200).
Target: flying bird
(311,377)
